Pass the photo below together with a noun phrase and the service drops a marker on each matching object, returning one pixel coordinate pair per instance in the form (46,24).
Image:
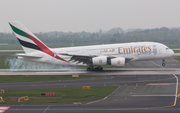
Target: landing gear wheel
(163,64)
(88,69)
(96,69)
(100,69)
(91,69)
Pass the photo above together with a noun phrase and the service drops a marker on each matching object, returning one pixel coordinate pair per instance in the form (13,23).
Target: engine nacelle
(99,61)
(120,61)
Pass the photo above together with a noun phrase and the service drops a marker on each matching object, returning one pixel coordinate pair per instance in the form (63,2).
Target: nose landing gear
(163,64)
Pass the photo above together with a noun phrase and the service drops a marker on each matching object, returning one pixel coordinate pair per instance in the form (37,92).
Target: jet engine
(120,61)
(99,61)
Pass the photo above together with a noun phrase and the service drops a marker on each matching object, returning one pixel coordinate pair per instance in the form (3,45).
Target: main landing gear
(163,64)
(99,68)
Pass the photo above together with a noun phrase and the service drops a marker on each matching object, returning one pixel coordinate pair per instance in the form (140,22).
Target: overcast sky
(89,15)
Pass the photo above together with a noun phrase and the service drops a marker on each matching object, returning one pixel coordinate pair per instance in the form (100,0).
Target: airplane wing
(87,59)
(80,58)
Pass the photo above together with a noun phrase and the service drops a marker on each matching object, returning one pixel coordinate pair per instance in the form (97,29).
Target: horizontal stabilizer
(27,56)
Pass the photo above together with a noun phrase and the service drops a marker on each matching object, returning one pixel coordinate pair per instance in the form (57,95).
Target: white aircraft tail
(29,42)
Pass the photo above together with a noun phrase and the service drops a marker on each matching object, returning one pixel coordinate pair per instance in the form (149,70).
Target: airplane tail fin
(29,42)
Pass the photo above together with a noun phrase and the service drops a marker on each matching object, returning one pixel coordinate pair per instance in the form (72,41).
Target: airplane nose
(172,53)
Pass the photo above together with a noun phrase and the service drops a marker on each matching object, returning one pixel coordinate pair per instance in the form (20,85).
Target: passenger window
(167,48)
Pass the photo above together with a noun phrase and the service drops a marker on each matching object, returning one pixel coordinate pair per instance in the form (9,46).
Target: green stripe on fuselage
(19,32)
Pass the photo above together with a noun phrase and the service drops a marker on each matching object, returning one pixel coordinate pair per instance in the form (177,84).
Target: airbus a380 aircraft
(97,55)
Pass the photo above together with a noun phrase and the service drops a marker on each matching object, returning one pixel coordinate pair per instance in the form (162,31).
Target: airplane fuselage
(96,55)
(135,51)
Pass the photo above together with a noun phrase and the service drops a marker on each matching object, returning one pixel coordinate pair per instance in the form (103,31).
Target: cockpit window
(167,48)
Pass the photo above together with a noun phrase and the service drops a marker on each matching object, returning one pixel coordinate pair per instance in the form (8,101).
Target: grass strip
(3,65)
(176,51)
(66,92)
(32,78)
(177,58)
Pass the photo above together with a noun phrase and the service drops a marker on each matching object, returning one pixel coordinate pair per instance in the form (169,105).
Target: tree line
(115,35)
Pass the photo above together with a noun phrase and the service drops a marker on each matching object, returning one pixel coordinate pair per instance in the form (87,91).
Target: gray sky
(89,15)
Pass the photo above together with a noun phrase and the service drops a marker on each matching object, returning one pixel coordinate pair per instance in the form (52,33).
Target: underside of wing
(80,58)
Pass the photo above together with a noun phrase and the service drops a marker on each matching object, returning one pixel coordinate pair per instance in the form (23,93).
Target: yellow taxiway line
(177,82)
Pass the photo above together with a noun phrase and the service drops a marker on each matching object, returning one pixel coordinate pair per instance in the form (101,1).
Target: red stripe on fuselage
(45,48)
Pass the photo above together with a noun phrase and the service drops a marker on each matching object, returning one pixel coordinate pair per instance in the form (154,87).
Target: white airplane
(96,55)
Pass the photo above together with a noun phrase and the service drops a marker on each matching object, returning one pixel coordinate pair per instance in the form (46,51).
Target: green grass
(65,92)
(32,78)
(3,65)
(177,58)
(11,47)
(173,46)
(176,51)
(49,100)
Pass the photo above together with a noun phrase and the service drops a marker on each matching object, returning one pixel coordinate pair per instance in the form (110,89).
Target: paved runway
(113,71)
(139,92)
(131,68)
